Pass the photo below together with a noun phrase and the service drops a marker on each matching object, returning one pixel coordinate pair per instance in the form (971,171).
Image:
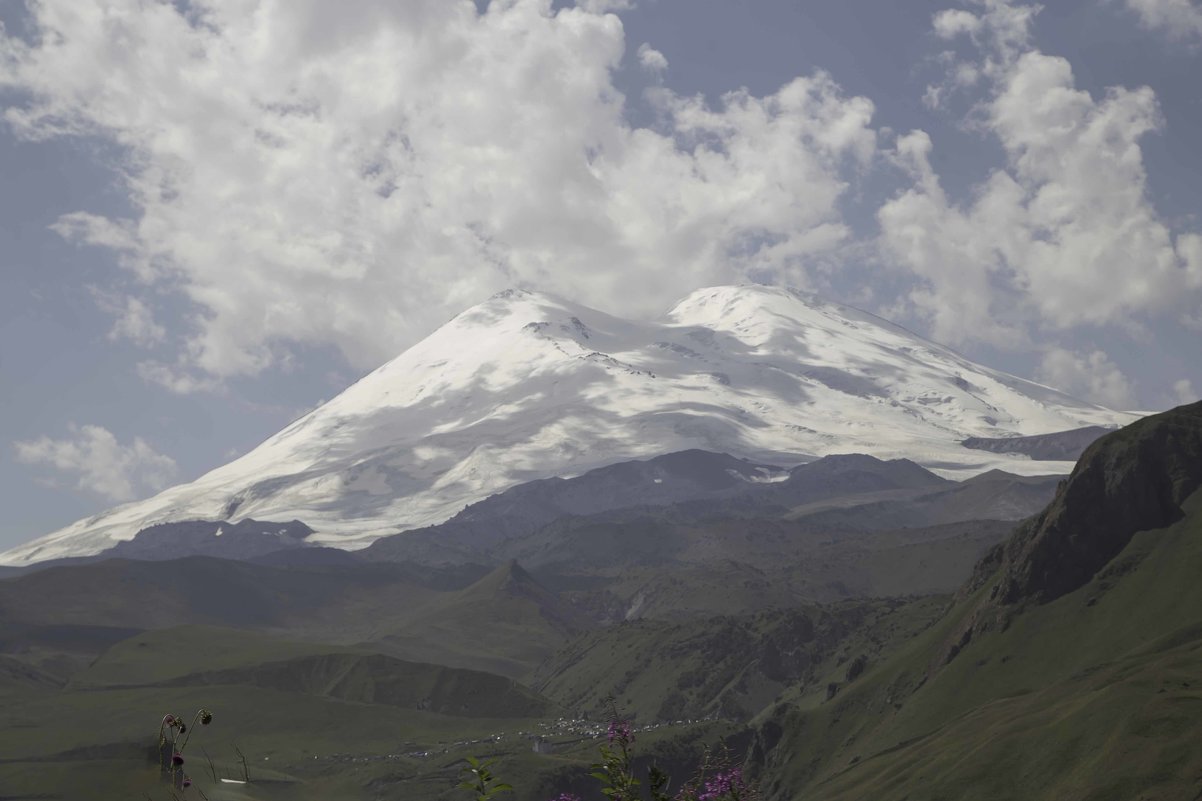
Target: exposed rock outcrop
(1130,481)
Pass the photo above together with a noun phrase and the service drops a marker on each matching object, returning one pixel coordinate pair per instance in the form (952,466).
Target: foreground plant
(174,735)
(614,771)
(717,780)
(480,780)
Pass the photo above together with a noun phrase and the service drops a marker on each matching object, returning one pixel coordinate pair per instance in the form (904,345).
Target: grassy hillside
(506,623)
(1067,689)
(312,718)
(333,602)
(313,746)
(728,667)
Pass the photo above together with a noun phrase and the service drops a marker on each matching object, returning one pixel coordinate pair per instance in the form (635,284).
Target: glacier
(527,385)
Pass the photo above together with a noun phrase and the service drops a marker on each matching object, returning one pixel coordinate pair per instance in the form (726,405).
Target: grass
(289,736)
(1094,696)
(91,739)
(728,666)
(157,656)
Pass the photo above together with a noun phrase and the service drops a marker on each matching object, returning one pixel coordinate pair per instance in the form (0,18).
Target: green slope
(93,744)
(506,623)
(207,656)
(1083,684)
(316,721)
(163,655)
(728,666)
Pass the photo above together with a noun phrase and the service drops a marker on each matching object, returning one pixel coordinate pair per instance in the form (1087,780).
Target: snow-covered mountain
(527,386)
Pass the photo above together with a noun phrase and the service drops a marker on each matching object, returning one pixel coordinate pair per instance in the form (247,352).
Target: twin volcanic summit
(527,386)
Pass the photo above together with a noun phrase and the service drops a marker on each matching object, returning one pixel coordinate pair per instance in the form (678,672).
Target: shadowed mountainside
(1061,446)
(691,482)
(668,502)
(246,539)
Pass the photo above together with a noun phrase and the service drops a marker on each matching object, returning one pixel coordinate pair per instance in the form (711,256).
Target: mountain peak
(508,578)
(510,306)
(781,318)
(521,300)
(512,293)
(520,295)
(718,302)
(526,386)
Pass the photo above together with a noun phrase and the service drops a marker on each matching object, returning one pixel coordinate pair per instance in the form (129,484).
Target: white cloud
(179,379)
(605,6)
(651,59)
(949,248)
(354,174)
(100,464)
(953,22)
(89,228)
(1064,235)
(1092,376)
(1001,24)
(1184,392)
(135,320)
(1180,19)
(1189,250)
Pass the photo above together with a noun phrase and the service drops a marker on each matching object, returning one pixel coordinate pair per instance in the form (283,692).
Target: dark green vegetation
(808,622)
(1069,668)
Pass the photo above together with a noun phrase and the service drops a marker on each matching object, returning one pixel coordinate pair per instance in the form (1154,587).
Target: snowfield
(527,386)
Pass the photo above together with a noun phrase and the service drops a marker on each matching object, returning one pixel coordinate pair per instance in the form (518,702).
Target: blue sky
(216,214)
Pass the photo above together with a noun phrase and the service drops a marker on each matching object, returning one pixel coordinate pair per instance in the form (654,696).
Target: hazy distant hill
(688,485)
(1058,446)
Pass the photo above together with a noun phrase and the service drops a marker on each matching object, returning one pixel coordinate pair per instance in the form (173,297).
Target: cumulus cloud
(651,59)
(1179,19)
(135,320)
(1062,236)
(605,6)
(1184,392)
(953,22)
(98,463)
(1092,376)
(179,379)
(355,175)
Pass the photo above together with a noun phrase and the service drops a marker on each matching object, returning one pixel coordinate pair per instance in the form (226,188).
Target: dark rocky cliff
(1130,481)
